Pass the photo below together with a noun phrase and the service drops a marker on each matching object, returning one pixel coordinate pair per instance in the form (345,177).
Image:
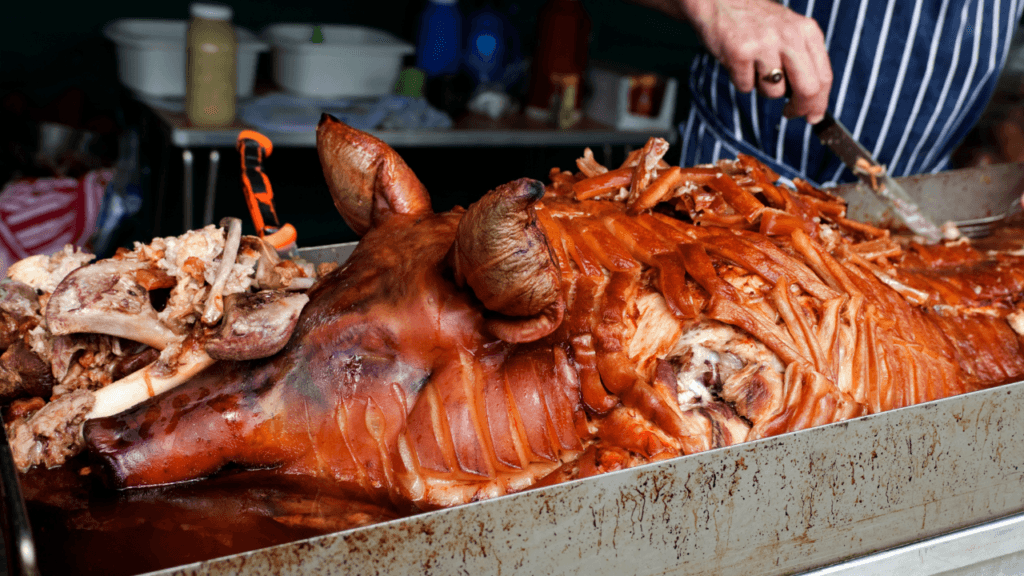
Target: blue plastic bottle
(439,49)
(485,46)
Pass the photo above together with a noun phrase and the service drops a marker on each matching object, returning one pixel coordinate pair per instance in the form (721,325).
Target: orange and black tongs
(254,147)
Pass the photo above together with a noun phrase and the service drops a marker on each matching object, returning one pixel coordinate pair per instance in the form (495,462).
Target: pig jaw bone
(105,298)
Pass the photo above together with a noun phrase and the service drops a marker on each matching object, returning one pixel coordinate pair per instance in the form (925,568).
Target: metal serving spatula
(875,177)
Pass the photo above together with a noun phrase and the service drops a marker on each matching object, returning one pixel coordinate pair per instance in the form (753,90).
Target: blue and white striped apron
(911,78)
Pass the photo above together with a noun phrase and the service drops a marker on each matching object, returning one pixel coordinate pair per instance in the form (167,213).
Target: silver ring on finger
(774,76)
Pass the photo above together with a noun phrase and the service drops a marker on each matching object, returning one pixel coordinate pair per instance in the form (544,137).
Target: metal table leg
(211,187)
(160,173)
(186,189)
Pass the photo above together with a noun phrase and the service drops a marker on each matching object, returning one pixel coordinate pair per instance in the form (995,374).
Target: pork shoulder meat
(628,315)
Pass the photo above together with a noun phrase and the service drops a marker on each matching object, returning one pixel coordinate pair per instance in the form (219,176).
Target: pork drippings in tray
(613,317)
(82,529)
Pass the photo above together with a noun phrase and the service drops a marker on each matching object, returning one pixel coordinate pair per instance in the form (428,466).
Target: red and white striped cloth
(42,215)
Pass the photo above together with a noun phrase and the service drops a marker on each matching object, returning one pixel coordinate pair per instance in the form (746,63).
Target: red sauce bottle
(563,36)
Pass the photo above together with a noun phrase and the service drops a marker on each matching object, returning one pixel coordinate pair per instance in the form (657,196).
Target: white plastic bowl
(151,56)
(352,61)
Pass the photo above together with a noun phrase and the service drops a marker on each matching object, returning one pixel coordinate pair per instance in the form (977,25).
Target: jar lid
(210,11)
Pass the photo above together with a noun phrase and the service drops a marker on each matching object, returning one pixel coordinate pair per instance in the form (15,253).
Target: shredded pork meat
(53,433)
(48,429)
(44,273)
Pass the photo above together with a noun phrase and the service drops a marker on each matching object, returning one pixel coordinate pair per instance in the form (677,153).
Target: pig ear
(367,178)
(504,256)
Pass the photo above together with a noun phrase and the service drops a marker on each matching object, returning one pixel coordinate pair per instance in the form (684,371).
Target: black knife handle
(827,121)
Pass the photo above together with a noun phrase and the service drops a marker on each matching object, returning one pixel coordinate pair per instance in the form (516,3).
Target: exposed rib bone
(148,382)
(215,301)
(301,283)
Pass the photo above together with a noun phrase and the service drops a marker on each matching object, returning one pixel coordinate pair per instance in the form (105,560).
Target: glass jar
(210,69)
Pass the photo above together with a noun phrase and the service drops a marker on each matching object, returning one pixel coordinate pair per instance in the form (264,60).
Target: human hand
(753,37)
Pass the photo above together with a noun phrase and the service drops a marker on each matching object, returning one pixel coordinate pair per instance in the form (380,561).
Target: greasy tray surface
(773,506)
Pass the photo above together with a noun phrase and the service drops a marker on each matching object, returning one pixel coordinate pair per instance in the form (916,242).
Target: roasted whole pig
(611,318)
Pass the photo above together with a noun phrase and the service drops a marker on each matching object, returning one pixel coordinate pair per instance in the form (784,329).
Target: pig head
(414,374)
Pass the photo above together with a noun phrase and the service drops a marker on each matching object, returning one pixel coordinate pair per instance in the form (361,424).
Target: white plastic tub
(351,60)
(151,56)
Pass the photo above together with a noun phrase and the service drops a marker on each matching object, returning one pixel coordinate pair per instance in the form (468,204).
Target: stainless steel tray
(774,506)
(792,503)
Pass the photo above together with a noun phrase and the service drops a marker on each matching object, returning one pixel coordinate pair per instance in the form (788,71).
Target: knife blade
(19,544)
(875,177)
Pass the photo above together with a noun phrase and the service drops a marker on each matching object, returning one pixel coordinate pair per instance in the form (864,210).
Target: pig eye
(365,338)
(373,341)
(361,372)
(375,365)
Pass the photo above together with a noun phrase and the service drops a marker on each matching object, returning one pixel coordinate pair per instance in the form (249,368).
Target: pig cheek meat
(350,421)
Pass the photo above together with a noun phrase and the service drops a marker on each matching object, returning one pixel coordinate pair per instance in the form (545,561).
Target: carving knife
(875,177)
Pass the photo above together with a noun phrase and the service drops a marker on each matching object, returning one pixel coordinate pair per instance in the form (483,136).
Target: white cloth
(286,113)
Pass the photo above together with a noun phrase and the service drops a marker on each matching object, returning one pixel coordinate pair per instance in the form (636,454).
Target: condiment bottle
(210,69)
(485,46)
(439,46)
(642,97)
(563,37)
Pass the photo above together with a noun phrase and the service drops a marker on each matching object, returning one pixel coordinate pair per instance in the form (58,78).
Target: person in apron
(909,78)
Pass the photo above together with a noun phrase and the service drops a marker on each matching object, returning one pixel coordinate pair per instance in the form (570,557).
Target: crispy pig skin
(424,372)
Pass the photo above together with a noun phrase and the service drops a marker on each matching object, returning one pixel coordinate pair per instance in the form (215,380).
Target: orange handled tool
(259,196)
